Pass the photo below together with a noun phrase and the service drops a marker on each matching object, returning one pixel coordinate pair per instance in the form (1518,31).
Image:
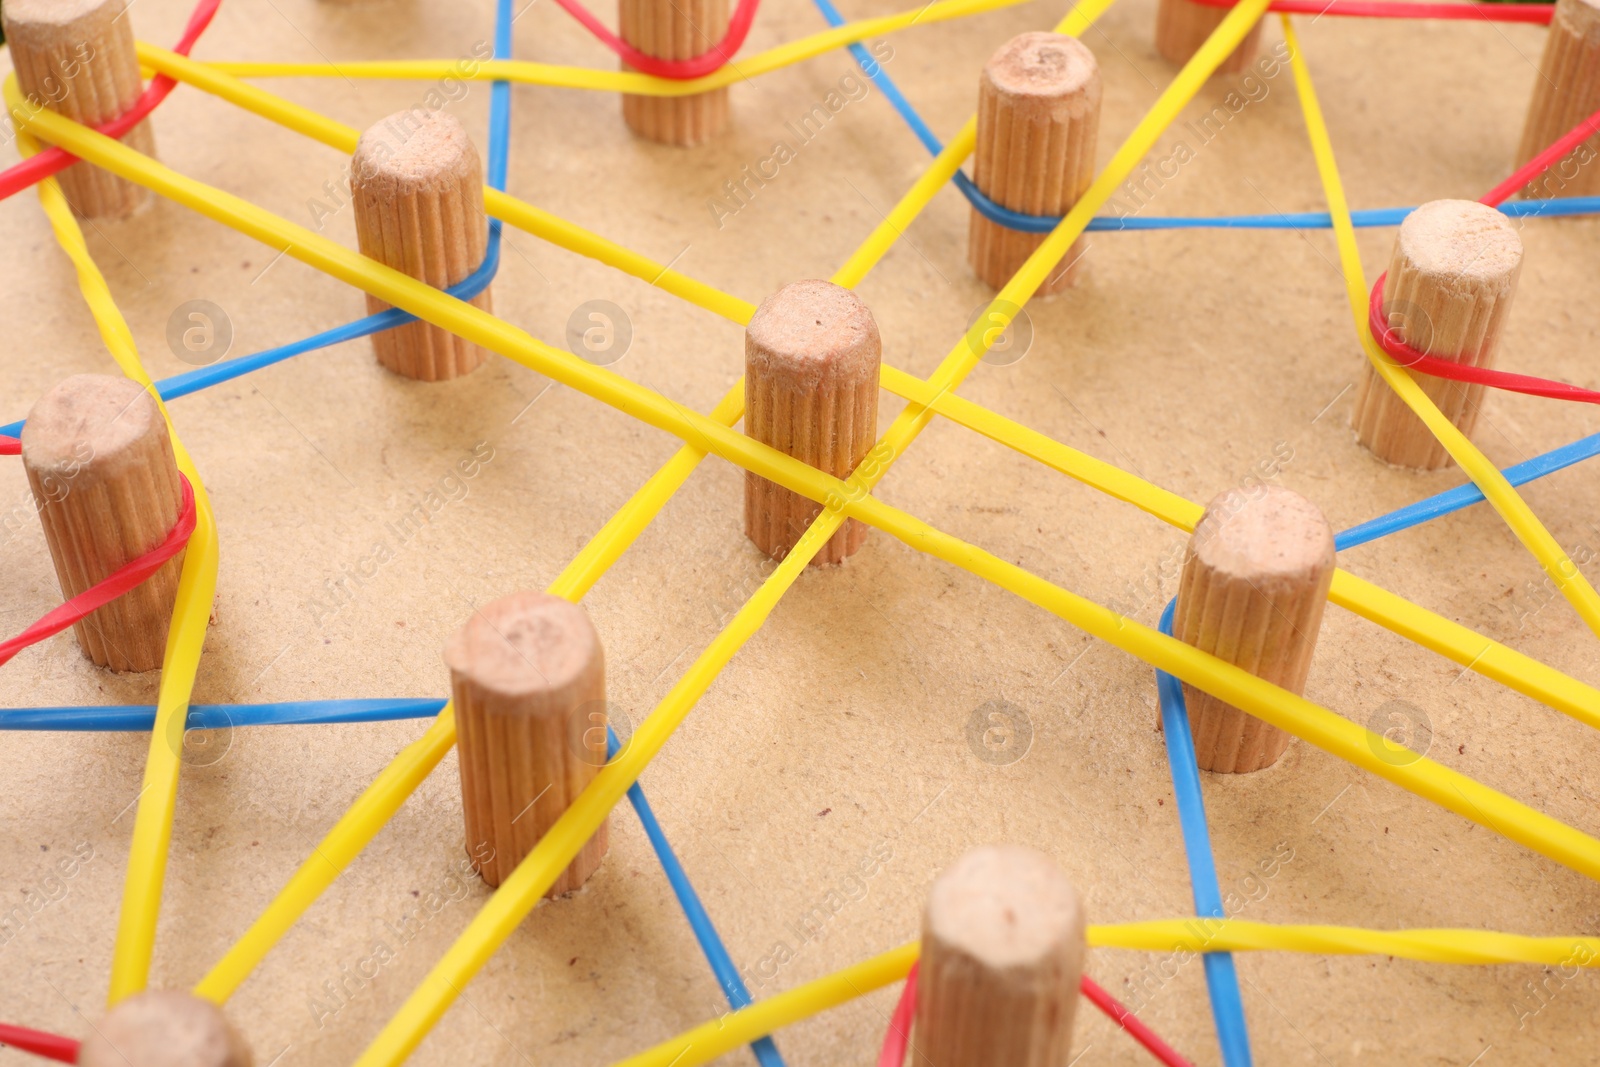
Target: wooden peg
(1002,956)
(164,1028)
(417,185)
(1450,284)
(76,58)
(101,468)
(1182,26)
(1038,116)
(1566,92)
(1255,580)
(811,358)
(674,29)
(529,681)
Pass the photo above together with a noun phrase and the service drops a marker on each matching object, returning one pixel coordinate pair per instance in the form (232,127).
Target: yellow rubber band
(725,1034)
(549,74)
(197,583)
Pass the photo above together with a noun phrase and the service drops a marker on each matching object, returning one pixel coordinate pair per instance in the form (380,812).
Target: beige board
(831,773)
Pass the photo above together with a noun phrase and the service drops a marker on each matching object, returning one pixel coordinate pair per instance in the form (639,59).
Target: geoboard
(1411,882)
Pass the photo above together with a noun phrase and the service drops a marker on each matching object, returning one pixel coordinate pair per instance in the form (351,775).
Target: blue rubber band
(141,718)
(1222,979)
(1463,496)
(716,952)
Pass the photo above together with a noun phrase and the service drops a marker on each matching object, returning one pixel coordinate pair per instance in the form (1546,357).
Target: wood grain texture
(1255,581)
(812,354)
(674,29)
(101,468)
(1002,956)
(1451,280)
(527,674)
(417,184)
(76,58)
(1182,26)
(164,1028)
(1566,92)
(1038,116)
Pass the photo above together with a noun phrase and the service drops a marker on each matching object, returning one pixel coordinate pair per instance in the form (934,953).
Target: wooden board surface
(827,776)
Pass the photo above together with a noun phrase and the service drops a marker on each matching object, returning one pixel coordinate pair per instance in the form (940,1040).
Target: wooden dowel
(811,360)
(1002,956)
(1254,584)
(1449,289)
(1566,92)
(164,1028)
(417,185)
(527,675)
(1038,117)
(101,468)
(674,29)
(1182,26)
(76,58)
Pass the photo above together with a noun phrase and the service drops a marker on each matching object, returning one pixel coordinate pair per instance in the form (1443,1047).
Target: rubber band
(50,1046)
(707,62)
(1222,978)
(54,160)
(547,74)
(139,718)
(1136,1028)
(716,953)
(1515,11)
(1543,161)
(129,576)
(898,1037)
(10,446)
(1389,340)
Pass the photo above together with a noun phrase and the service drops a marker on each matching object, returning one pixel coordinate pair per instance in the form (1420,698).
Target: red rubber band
(50,1046)
(713,59)
(10,446)
(121,580)
(1543,161)
(899,1035)
(1131,1023)
(1539,14)
(1403,354)
(54,160)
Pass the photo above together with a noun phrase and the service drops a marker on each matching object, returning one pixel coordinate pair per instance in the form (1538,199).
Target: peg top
(526,644)
(1262,533)
(90,416)
(1005,906)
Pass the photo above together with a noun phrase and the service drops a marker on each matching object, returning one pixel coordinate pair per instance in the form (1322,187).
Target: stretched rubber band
(1543,161)
(708,62)
(50,1046)
(716,953)
(140,718)
(126,577)
(54,160)
(1537,13)
(898,1037)
(1389,340)
(10,446)
(1222,978)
